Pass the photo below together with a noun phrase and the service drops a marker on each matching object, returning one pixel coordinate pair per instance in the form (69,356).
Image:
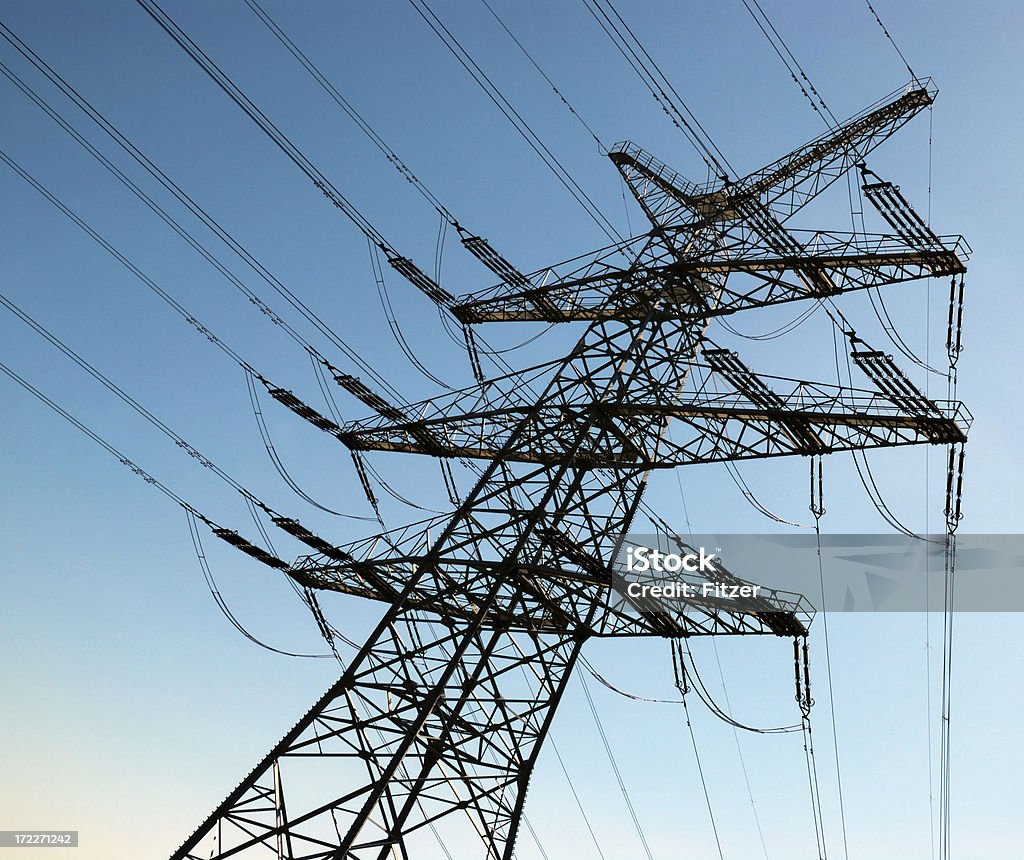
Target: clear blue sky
(131,706)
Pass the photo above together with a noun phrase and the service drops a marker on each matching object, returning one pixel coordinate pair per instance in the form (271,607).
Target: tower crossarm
(736,425)
(785,185)
(661,191)
(771,612)
(828,263)
(790,182)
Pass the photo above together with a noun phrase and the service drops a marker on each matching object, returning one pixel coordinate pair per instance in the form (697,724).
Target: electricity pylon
(442,714)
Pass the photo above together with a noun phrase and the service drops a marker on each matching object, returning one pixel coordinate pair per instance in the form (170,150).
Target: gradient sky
(131,706)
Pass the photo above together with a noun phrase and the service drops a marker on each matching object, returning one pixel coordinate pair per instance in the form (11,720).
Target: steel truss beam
(720,423)
(786,185)
(820,264)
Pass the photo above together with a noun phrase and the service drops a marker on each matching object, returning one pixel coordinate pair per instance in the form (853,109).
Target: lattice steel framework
(440,717)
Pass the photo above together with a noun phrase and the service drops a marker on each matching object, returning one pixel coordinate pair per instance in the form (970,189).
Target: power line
(136,154)
(576,797)
(616,771)
(263,122)
(163,488)
(476,245)
(251,500)
(180,309)
(343,103)
(170,221)
(817,507)
(600,145)
(99,440)
(683,688)
(126,398)
(888,36)
(739,753)
(175,305)
(658,84)
(791,63)
(403,265)
(221,603)
(513,116)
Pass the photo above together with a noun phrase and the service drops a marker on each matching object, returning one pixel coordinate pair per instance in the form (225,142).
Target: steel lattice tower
(443,712)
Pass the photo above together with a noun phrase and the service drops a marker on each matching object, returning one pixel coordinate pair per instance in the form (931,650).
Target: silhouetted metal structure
(440,717)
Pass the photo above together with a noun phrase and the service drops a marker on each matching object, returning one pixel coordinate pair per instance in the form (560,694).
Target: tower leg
(430,719)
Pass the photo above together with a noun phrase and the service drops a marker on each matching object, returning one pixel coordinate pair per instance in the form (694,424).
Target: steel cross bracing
(440,717)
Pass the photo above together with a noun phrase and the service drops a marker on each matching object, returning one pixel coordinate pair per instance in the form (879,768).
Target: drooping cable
(604,682)
(891,332)
(278,463)
(439,249)
(253,503)
(753,501)
(218,598)
(842,326)
(193,514)
(874,494)
(616,770)
(817,508)
(776,333)
(392,319)
(391,491)
(683,687)
(700,688)
(625,205)
(325,390)
(739,753)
